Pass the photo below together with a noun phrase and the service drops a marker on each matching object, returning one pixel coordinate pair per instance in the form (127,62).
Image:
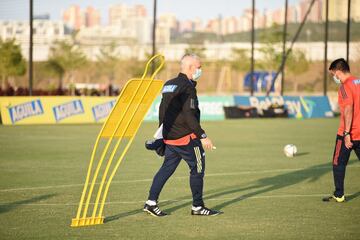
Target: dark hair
(339,64)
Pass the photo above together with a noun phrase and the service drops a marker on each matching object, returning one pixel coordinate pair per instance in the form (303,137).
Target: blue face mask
(197,74)
(336,80)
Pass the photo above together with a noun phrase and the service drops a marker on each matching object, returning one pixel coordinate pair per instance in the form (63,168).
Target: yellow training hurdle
(123,122)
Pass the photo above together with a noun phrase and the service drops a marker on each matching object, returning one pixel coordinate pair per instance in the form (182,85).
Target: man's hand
(207,144)
(348,143)
(348,116)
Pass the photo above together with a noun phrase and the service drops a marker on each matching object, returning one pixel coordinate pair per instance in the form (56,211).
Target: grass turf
(263,194)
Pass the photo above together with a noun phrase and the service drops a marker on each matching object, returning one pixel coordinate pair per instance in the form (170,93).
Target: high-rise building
(292,15)
(260,21)
(246,20)
(268,18)
(121,11)
(315,14)
(73,18)
(198,25)
(213,26)
(278,16)
(133,19)
(140,11)
(45,32)
(163,35)
(355,10)
(169,20)
(338,10)
(92,17)
(186,26)
(229,25)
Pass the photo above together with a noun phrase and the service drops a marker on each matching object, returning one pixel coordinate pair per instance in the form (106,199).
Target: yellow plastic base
(81,222)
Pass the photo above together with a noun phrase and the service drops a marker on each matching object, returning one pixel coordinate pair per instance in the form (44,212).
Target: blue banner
(25,110)
(297,106)
(101,111)
(262,80)
(68,109)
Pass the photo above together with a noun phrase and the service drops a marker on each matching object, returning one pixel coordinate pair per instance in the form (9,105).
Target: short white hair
(186,56)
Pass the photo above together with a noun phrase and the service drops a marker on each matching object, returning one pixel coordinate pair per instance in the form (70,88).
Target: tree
(297,64)
(272,51)
(107,61)
(241,60)
(65,58)
(12,62)
(271,57)
(54,67)
(199,51)
(136,67)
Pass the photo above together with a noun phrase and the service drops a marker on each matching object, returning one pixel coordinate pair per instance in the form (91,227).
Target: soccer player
(348,135)
(183,136)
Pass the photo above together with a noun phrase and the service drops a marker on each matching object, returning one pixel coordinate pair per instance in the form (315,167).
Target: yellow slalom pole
(83,221)
(95,177)
(77,221)
(103,155)
(112,176)
(104,177)
(114,172)
(110,140)
(87,178)
(132,138)
(157,70)
(117,145)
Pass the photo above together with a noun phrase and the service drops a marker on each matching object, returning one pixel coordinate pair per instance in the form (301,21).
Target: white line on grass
(180,177)
(180,200)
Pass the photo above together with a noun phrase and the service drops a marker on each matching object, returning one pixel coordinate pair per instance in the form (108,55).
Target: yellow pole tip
(76,222)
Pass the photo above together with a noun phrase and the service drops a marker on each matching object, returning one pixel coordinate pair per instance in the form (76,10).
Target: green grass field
(263,194)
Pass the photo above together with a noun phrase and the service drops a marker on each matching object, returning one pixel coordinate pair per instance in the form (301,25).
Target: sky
(183,9)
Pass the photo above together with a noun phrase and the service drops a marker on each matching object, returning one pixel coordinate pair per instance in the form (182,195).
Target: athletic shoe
(203,211)
(334,199)
(154,210)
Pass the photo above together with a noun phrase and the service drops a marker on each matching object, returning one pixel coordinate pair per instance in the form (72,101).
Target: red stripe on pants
(337,152)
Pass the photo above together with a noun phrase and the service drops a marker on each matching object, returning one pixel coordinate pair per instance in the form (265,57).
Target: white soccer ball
(290,150)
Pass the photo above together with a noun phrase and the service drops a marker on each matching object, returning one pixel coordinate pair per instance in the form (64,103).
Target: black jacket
(179,109)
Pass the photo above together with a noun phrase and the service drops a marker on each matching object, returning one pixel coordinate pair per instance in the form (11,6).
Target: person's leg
(356,148)
(171,161)
(194,156)
(340,160)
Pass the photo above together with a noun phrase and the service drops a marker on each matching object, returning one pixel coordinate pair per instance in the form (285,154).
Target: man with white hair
(179,114)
